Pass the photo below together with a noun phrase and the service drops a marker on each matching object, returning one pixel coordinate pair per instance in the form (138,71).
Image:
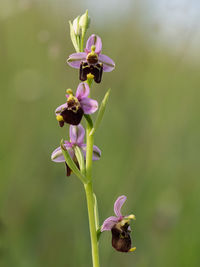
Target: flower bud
(76,26)
(78,30)
(84,22)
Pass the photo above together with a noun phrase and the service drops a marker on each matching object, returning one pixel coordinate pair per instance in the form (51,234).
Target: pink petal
(77,134)
(75,59)
(96,152)
(118,204)
(108,63)
(83,90)
(94,40)
(57,155)
(109,223)
(60,108)
(89,105)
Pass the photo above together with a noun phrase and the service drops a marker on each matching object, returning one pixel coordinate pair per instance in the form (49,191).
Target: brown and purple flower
(119,225)
(72,111)
(91,61)
(76,134)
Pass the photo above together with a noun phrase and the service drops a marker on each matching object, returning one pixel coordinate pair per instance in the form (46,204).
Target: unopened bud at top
(84,21)
(76,27)
(78,30)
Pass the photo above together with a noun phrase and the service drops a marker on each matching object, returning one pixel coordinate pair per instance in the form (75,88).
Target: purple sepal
(118,204)
(83,90)
(75,59)
(96,152)
(96,41)
(60,108)
(108,63)
(77,134)
(57,155)
(109,223)
(89,105)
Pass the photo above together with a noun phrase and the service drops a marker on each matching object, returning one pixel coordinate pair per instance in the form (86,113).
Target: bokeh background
(149,136)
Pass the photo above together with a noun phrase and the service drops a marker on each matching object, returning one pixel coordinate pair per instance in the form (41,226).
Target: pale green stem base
(93,234)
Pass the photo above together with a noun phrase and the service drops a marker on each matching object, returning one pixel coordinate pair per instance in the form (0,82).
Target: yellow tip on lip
(132,217)
(90,76)
(132,249)
(59,118)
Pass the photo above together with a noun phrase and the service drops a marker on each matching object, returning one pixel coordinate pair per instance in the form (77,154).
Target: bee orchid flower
(72,111)
(76,134)
(119,225)
(91,61)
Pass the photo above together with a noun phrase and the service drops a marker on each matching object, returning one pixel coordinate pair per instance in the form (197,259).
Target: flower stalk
(89,187)
(90,194)
(92,223)
(77,155)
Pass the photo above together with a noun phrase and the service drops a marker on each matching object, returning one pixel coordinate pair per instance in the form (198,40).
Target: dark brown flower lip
(71,117)
(95,69)
(121,239)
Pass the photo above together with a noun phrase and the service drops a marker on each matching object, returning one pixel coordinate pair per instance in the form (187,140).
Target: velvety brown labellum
(95,70)
(72,117)
(121,239)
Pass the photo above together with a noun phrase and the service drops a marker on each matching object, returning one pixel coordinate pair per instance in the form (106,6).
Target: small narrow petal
(60,108)
(83,90)
(108,63)
(118,204)
(89,105)
(94,40)
(75,59)
(77,134)
(96,152)
(109,223)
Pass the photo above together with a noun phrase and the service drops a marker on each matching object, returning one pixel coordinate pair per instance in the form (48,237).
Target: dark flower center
(92,58)
(73,104)
(73,113)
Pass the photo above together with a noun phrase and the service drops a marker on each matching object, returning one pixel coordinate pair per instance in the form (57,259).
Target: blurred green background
(149,136)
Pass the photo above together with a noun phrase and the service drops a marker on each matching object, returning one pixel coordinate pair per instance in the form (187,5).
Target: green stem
(91,215)
(89,194)
(82,42)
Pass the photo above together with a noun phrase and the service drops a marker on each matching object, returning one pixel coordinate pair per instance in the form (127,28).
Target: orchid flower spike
(76,134)
(91,61)
(120,227)
(72,111)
